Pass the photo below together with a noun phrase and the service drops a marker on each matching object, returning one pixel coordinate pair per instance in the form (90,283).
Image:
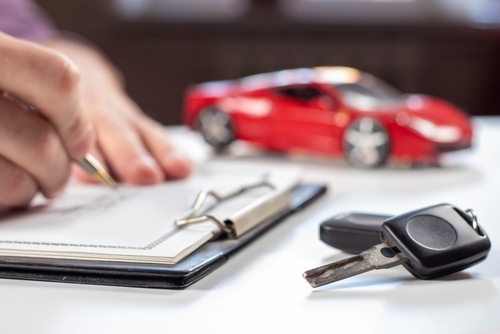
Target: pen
(92,167)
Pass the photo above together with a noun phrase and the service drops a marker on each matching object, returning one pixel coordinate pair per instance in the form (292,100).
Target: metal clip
(226,227)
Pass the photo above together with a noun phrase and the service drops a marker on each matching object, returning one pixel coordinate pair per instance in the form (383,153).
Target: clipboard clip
(240,222)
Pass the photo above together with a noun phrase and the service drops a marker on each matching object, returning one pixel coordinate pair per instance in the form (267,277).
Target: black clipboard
(196,266)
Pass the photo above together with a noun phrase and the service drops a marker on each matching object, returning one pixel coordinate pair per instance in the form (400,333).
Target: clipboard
(199,264)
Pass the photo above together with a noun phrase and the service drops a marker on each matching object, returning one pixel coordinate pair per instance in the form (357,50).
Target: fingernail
(147,171)
(176,166)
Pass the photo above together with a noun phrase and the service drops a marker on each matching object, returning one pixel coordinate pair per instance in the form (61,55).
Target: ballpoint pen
(92,167)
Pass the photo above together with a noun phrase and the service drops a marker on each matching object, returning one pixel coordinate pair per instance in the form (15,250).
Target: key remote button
(431,232)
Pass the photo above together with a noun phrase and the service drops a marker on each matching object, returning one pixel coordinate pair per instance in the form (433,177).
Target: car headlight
(436,133)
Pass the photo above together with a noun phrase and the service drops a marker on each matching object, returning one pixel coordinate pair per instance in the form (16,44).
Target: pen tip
(105,178)
(90,165)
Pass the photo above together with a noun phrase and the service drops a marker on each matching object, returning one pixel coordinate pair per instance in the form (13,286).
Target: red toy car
(333,110)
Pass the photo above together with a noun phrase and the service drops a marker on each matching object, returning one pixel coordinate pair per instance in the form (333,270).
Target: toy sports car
(333,110)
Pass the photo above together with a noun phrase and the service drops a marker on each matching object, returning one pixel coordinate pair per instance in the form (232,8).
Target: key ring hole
(471,218)
(387,252)
(473,223)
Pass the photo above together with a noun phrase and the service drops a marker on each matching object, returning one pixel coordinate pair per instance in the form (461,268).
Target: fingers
(17,186)
(49,81)
(138,154)
(31,143)
(137,148)
(125,152)
(155,137)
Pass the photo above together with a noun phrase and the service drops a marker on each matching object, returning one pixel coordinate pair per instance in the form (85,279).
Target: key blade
(377,257)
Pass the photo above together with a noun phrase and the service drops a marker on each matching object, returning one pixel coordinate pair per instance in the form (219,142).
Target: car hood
(435,110)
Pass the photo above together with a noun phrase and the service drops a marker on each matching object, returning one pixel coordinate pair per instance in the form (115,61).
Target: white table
(261,290)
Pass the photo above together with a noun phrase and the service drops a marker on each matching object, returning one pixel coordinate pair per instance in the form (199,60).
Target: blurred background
(445,48)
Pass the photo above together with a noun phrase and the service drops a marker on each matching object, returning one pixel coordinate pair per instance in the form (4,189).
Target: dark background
(160,59)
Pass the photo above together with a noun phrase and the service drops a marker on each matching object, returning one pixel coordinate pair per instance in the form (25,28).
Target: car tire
(216,127)
(366,143)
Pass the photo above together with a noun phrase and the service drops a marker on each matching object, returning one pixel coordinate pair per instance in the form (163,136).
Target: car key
(429,242)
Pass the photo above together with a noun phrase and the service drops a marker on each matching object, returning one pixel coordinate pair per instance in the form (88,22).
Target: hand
(36,147)
(133,146)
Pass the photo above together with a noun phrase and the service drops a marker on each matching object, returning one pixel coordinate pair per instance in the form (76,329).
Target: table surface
(261,289)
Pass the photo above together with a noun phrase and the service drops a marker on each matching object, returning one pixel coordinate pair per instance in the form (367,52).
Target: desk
(261,290)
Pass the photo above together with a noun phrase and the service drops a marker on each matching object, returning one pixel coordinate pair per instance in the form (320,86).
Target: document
(134,224)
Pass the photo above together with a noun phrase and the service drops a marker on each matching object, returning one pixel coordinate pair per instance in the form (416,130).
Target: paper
(131,224)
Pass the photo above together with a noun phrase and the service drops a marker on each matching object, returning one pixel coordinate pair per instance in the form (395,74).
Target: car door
(250,114)
(304,119)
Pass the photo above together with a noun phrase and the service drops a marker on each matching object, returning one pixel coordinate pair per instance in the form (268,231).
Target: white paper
(131,224)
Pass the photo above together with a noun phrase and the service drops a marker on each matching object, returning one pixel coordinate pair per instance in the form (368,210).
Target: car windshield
(369,93)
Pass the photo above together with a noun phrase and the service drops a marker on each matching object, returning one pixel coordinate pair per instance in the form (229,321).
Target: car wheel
(216,127)
(366,143)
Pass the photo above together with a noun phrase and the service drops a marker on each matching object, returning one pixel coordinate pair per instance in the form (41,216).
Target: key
(377,257)
(429,242)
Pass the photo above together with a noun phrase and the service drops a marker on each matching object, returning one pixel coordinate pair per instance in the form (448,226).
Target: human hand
(36,147)
(134,147)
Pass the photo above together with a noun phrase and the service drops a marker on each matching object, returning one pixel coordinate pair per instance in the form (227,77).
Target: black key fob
(431,242)
(438,240)
(352,232)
